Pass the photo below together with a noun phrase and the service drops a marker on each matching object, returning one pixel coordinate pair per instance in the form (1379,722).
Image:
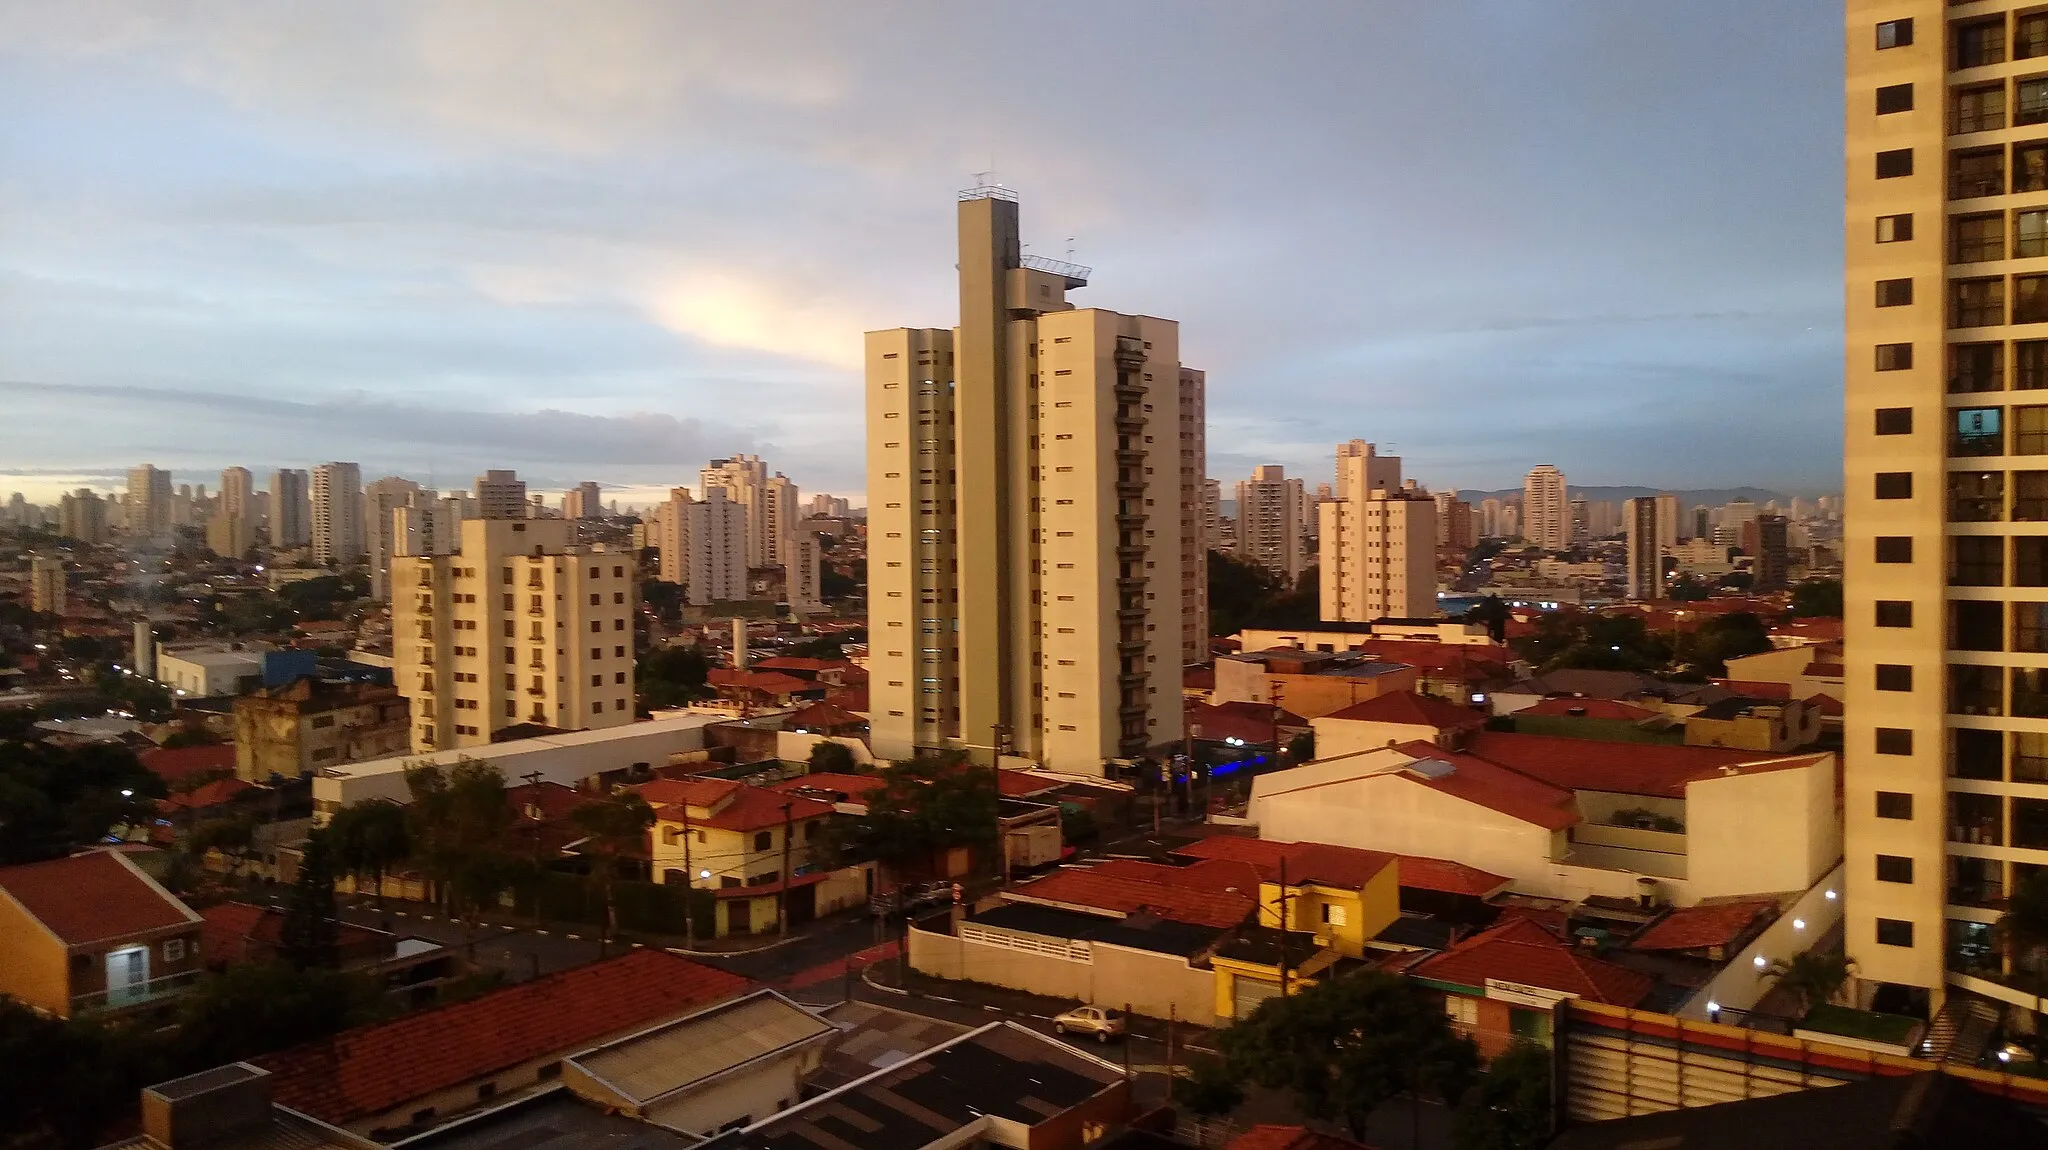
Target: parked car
(1100,1021)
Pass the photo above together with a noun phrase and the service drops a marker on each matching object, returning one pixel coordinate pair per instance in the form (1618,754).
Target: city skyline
(422,281)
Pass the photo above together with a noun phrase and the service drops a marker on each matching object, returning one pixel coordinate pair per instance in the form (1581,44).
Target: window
(2030,496)
(1333,914)
(764,840)
(1976,496)
(1894,804)
(1977,239)
(2030,364)
(1894,677)
(2030,627)
(1894,548)
(1462,1011)
(1976,561)
(1895,33)
(1975,367)
(1894,356)
(2029,233)
(174,950)
(1978,109)
(2030,299)
(1896,163)
(1894,98)
(1895,420)
(1895,229)
(1894,868)
(1980,42)
(2030,100)
(1894,293)
(1975,690)
(1894,932)
(1894,613)
(2029,757)
(2030,36)
(1892,741)
(322,722)
(1975,754)
(2029,431)
(1977,302)
(2029,698)
(1977,172)
(2030,166)
(1976,625)
(1895,485)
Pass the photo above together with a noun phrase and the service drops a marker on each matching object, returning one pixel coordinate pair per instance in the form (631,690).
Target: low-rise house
(175,765)
(1341,895)
(757,850)
(391,1080)
(1504,983)
(1756,724)
(305,726)
(1308,683)
(205,673)
(1397,717)
(92,932)
(1801,671)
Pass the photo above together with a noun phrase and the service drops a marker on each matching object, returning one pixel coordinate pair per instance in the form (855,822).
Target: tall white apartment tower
(1643,520)
(501,495)
(521,626)
(148,508)
(1024,532)
(715,540)
(1194,515)
(1377,541)
(291,508)
(1667,520)
(1546,510)
(1269,507)
(381,529)
(238,495)
(337,501)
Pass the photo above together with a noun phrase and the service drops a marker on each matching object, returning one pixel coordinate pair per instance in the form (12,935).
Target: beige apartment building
(1645,522)
(1377,541)
(1269,510)
(1546,509)
(1025,477)
(520,626)
(47,590)
(1946,525)
(1196,514)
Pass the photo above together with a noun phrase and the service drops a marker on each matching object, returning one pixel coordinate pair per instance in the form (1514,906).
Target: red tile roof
(1411,709)
(1624,768)
(767,682)
(1828,704)
(97,896)
(243,932)
(728,805)
(1448,877)
(1217,723)
(1319,863)
(1566,707)
(1131,886)
(1258,712)
(174,763)
(1291,1138)
(1472,779)
(212,794)
(1470,662)
(372,1069)
(553,800)
(1019,784)
(854,788)
(1700,927)
(822,717)
(801,663)
(1755,689)
(1520,951)
(854,699)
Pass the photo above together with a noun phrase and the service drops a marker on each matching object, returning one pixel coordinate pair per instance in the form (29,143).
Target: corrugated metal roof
(647,1066)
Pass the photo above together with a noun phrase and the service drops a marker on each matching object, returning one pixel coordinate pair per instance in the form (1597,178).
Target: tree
(929,805)
(830,758)
(1813,977)
(1347,1045)
(1510,1108)
(1722,638)
(55,799)
(664,599)
(1236,592)
(1209,1090)
(370,838)
(672,676)
(459,823)
(233,837)
(68,1081)
(1818,599)
(255,1008)
(1687,589)
(1491,612)
(613,827)
(310,935)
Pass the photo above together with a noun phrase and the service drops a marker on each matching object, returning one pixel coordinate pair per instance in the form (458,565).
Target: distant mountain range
(1711,496)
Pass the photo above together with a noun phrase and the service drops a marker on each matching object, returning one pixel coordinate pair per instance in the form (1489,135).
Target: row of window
(1980,624)
(1980,236)
(1979,301)
(1974,173)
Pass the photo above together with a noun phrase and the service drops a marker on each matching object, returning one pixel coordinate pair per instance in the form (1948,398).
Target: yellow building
(1946,680)
(47,590)
(520,626)
(752,848)
(1026,472)
(1377,541)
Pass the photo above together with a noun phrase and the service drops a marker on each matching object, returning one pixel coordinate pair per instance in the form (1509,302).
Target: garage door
(1250,992)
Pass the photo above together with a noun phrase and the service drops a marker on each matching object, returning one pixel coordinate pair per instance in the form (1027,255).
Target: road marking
(542,932)
(577,937)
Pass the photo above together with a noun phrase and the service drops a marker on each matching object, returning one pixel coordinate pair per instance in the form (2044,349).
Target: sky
(609,240)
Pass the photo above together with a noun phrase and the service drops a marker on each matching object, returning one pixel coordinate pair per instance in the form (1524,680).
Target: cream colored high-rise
(1546,510)
(1944,552)
(47,589)
(337,503)
(1644,521)
(1377,541)
(148,510)
(1025,478)
(1195,515)
(521,626)
(1269,510)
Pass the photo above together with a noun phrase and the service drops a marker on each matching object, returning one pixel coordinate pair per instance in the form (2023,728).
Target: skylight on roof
(1431,768)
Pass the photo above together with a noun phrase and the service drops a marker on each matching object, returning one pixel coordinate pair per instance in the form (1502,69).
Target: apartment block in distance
(1269,508)
(520,626)
(1024,539)
(1946,676)
(1643,520)
(1377,541)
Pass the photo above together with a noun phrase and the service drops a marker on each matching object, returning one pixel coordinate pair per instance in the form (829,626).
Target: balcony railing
(134,994)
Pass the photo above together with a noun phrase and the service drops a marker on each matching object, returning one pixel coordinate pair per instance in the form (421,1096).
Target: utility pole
(1283,926)
(1172,1018)
(689,882)
(782,900)
(1127,1041)
(533,780)
(996,734)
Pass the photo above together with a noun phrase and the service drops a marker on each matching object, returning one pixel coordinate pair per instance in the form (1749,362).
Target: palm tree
(369,839)
(613,827)
(1813,976)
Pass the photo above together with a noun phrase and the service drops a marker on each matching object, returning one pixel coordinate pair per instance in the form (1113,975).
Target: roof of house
(854,699)
(1411,709)
(172,764)
(552,800)
(849,788)
(731,806)
(245,932)
(1138,932)
(1520,951)
(1448,877)
(1257,712)
(1703,926)
(372,1069)
(1306,863)
(1267,1137)
(211,794)
(1624,768)
(1495,787)
(1567,706)
(93,897)
(767,682)
(800,663)
(1828,704)
(1132,887)
(821,715)
(1018,784)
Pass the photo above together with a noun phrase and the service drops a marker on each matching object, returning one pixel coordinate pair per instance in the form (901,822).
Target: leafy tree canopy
(55,799)
(1510,1108)
(1818,599)
(829,758)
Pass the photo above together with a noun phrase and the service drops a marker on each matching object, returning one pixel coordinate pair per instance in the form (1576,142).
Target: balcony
(133,995)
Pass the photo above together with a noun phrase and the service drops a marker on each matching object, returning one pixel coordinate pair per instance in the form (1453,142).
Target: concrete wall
(1740,984)
(32,963)
(1154,985)
(1343,736)
(1310,696)
(1761,833)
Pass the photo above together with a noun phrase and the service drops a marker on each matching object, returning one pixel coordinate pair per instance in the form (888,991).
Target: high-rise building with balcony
(1643,522)
(1194,515)
(82,515)
(291,509)
(1269,523)
(1024,532)
(381,529)
(501,495)
(337,514)
(1946,685)
(148,509)
(1377,541)
(47,585)
(1546,510)
(520,626)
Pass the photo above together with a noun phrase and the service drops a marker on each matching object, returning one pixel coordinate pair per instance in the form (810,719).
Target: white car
(1100,1021)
